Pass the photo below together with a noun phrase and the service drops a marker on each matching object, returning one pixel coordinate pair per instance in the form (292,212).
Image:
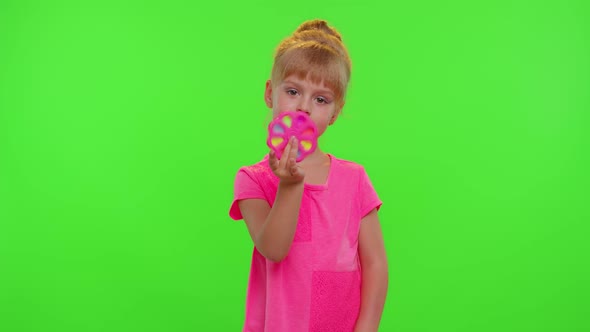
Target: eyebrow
(321,91)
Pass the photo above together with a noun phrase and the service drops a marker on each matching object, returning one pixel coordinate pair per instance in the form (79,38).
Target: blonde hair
(314,51)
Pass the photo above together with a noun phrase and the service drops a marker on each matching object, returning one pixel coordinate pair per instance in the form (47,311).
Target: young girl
(319,262)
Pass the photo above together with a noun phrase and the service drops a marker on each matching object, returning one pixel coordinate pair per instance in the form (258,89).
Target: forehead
(320,65)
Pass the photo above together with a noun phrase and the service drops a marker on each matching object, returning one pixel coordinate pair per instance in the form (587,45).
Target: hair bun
(318,25)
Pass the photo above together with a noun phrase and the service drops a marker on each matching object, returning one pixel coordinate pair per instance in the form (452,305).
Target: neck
(317,157)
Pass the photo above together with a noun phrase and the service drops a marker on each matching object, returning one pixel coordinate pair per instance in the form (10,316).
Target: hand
(286,169)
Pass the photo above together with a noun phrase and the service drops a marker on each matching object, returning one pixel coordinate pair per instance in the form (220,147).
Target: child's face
(294,94)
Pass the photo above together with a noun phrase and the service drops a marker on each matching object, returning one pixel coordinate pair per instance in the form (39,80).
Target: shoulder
(259,172)
(259,168)
(351,171)
(348,166)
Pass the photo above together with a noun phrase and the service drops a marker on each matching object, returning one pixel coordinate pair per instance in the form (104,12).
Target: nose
(303,107)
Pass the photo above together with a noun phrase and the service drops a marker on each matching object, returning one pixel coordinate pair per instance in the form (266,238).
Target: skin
(272,229)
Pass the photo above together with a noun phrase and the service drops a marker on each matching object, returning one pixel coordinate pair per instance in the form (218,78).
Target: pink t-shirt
(317,286)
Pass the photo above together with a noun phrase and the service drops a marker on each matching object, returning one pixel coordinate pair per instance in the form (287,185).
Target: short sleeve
(245,187)
(369,199)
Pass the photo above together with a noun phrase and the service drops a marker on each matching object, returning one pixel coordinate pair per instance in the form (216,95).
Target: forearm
(373,293)
(276,235)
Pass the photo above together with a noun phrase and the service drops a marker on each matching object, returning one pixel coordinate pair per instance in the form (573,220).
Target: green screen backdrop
(123,124)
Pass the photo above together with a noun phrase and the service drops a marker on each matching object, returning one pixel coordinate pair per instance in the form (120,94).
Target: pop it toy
(297,124)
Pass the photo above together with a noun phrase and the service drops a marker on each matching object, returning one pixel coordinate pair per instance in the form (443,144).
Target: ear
(268,94)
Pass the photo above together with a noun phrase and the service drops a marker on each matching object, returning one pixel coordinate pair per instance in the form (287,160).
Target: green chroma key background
(123,123)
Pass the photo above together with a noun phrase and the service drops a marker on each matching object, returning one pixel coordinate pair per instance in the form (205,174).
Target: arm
(374,273)
(272,229)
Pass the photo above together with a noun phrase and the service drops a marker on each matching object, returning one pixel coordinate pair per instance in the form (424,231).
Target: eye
(292,92)
(322,100)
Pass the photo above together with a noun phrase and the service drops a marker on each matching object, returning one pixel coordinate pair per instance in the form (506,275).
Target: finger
(294,148)
(272,160)
(298,174)
(283,162)
(290,165)
(294,170)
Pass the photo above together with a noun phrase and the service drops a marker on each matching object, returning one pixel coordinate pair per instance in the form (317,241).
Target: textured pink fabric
(335,301)
(317,286)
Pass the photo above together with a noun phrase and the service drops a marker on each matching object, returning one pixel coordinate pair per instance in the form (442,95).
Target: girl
(319,261)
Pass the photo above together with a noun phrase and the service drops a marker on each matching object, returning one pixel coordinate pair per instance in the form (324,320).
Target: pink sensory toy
(288,124)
